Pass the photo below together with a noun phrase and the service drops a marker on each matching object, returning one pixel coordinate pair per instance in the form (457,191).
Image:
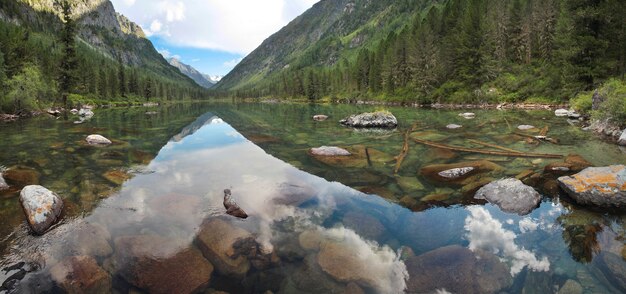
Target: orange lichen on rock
(602,186)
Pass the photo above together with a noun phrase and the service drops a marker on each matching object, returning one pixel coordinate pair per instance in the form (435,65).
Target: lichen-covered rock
(380,119)
(599,186)
(510,195)
(41,206)
(455,173)
(457,270)
(329,151)
(81,274)
(98,140)
(216,239)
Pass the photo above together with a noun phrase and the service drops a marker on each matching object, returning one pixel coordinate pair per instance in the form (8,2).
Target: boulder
(467,115)
(329,151)
(87,113)
(161,265)
(380,119)
(573,115)
(561,112)
(457,270)
(599,186)
(232,208)
(344,264)
(90,240)
(21,176)
(525,127)
(453,126)
(3,183)
(510,195)
(457,172)
(320,117)
(41,206)
(216,239)
(98,140)
(622,139)
(81,274)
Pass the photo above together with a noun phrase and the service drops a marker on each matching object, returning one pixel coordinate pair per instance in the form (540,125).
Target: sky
(210,35)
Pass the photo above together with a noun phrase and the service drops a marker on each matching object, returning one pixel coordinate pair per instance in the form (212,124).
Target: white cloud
(167,54)
(232,63)
(236,26)
(486,233)
(155,26)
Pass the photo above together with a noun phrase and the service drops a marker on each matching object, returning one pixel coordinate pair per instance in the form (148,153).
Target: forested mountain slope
(440,51)
(112,59)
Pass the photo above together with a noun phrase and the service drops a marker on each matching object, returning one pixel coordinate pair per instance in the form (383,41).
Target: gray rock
(380,119)
(599,186)
(3,183)
(573,115)
(320,117)
(455,172)
(561,112)
(454,126)
(467,115)
(41,206)
(510,195)
(622,139)
(525,127)
(232,208)
(98,139)
(85,113)
(74,111)
(329,151)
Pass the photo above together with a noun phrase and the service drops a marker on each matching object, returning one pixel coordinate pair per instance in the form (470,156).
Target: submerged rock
(453,126)
(380,119)
(216,239)
(3,183)
(232,208)
(457,172)
(21,176)
(81,274)
(320,117)
(457,270)
(329,151)
(599,186)
(161,265)
(117,177)
(98,140)
(525,127)
(510,195)
(571,287)
(467,115)
(41,206)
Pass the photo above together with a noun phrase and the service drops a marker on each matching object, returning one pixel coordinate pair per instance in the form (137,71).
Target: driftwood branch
(488,152)
(405,149)
(494,146)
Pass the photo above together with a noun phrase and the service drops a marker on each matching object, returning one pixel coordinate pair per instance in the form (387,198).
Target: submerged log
(405,149)
(493,146)
(488,152)
(232,208)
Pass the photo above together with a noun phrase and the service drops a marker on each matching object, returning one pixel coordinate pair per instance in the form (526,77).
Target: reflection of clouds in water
(486,233)
(527,225)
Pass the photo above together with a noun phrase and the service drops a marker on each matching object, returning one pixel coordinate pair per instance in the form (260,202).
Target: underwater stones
(97,140)
(457,270)
(467,115)
(410,184)
(320,117)
(364,225)
(215,239)
(329,151)
(613,267)
(525,127)
(561,112)
(457,172)
(360,156)
(232,208)
(117,177)
(571,287)
(453,126)
(161,265)
(510,195)
(90,240)
(343,264)
(599,186)
(41,206)
(81,274)
(380,119)
(21,176)
(577,162)
(310,240)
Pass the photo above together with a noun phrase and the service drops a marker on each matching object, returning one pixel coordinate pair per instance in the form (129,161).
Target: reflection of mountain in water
(203,120)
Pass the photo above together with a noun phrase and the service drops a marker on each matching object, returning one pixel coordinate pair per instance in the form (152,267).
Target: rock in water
(3,183)
(232,208)
(380,119)
(599,186)
(511,195)
(320,117)
(87,113)
(561,112)
(329,151)
(467,115)
(453,126)
(216,239)
(41,206)
(455,173)
(622,139)
(525,127)
(81,274)
(98,140)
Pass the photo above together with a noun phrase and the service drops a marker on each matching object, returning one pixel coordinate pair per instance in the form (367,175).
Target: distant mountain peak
(201,79)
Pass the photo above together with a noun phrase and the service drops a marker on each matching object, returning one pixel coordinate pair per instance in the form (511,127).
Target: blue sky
(210,35)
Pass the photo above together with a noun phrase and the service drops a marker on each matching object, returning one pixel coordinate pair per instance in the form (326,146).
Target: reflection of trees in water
(582,241)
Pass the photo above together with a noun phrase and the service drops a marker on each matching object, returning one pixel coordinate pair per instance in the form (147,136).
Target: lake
(145,213)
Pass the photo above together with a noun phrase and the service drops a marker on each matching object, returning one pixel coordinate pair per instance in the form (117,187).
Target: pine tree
(121,74)
(68,62)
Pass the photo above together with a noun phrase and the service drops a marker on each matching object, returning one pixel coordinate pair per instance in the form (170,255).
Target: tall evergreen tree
(68,62)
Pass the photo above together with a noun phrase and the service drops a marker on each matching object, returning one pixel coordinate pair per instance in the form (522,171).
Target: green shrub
(614,107)
(27,91)
(582,102)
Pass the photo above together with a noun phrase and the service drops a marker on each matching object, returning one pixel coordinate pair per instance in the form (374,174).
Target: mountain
(114,61)
(198,77)
(446,51)
(213,79)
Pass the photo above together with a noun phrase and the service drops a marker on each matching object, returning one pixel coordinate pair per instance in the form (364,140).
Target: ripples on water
(146,213)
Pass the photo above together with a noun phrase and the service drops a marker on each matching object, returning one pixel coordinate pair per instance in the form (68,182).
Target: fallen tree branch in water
(493,146)
(405,149)
(488,152)
(538,138)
